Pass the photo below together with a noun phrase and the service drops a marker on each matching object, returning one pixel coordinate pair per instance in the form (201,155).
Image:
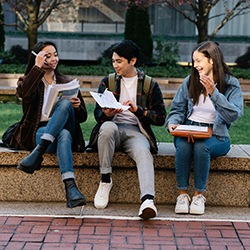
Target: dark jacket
(31,89)
(151,109)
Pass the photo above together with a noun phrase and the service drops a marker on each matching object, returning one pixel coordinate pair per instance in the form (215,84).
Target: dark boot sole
(29,170)
(148,213)
(76,203)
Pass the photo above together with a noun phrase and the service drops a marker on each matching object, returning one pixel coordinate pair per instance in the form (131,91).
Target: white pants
(128,138)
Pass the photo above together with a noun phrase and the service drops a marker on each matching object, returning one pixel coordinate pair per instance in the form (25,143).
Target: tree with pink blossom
(199,12)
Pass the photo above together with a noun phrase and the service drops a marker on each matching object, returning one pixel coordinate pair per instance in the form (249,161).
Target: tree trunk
(32,38)
(202,23)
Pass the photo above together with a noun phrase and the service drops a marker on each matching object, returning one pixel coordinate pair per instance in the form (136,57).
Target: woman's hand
(208,83)
(75,101)
(172,127)
(133,108)
(109,112)
(40,58)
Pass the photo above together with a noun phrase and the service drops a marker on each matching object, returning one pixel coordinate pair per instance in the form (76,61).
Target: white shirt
(204,112)
(127,92)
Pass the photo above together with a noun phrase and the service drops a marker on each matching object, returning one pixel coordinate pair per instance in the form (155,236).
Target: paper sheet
(192,128)
(107,100)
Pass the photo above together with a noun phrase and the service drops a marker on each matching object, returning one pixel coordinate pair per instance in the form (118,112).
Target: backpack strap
(146,85)
(111,82)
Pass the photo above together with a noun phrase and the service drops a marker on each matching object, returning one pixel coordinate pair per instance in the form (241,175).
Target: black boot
(34,160)
(73,195)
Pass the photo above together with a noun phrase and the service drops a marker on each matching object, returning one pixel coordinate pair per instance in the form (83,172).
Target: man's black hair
(127,49)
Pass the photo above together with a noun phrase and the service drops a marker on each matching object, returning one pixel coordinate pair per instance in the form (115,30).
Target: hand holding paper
(107,100)
(56,92)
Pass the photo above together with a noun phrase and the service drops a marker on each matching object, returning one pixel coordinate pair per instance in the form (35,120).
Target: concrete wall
(91,48)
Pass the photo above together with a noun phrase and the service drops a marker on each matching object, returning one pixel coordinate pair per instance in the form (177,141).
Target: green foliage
(8,57)
(103,70)
(166,53)
(96,70)
(2,32)
(12,68)
(137,29)
(241,73)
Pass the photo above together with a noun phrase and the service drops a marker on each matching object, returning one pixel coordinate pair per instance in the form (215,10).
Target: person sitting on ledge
(37,132)
(211,96)
(129,130)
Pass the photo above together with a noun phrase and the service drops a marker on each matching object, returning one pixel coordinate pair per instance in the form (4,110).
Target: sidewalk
(45,226)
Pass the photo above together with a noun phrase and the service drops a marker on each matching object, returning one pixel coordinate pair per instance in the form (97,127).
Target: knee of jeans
(182,143)
(108,128)
(64,104)
(65,135)
(200,146)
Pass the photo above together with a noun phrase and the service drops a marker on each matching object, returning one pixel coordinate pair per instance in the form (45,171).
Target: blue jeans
(60,129)
(201,150)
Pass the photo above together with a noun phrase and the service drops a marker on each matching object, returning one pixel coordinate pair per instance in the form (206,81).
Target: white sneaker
(182,204)
(102,195)
(147,210)
(198,204)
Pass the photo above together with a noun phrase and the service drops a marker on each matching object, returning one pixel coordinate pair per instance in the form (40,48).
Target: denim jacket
(229,106)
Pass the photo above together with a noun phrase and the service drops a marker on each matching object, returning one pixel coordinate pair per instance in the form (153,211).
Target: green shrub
(166,53)
(8,57)
(100,70)
(137,29)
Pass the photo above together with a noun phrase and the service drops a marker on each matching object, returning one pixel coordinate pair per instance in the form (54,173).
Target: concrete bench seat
(228,183)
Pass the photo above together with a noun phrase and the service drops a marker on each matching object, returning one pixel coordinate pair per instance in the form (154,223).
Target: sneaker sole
(197,212)
(147,213)
(181,211)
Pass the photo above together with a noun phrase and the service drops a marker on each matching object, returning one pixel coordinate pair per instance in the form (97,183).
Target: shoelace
(104,187)
(182,198)
(198,199)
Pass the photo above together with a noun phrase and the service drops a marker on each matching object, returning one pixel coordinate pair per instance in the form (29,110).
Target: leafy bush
(166,53)
(137,29)
(99,70)
(244,60)
(8,57)
(20,54)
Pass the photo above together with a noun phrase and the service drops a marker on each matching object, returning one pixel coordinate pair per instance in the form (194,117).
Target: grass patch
(239,132)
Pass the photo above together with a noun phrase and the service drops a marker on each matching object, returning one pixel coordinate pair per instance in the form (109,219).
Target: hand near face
(75,101)
(40,59)
(109,112)
(208,83)
(133,108)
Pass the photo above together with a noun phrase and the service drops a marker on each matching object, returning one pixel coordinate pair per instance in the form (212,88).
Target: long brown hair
(220,69)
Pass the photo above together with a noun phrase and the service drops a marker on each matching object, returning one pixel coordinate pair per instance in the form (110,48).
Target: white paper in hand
(107,100)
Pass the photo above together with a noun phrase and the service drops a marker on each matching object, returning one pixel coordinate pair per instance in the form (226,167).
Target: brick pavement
(50,233)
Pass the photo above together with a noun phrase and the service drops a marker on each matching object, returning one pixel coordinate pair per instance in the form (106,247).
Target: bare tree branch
(226,19)
(14,24)
(181,12)
(18,13)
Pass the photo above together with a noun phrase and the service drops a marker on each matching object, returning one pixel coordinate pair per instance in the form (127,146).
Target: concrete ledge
(228,183)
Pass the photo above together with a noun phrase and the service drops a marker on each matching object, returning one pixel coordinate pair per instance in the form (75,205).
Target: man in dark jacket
(129,130)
